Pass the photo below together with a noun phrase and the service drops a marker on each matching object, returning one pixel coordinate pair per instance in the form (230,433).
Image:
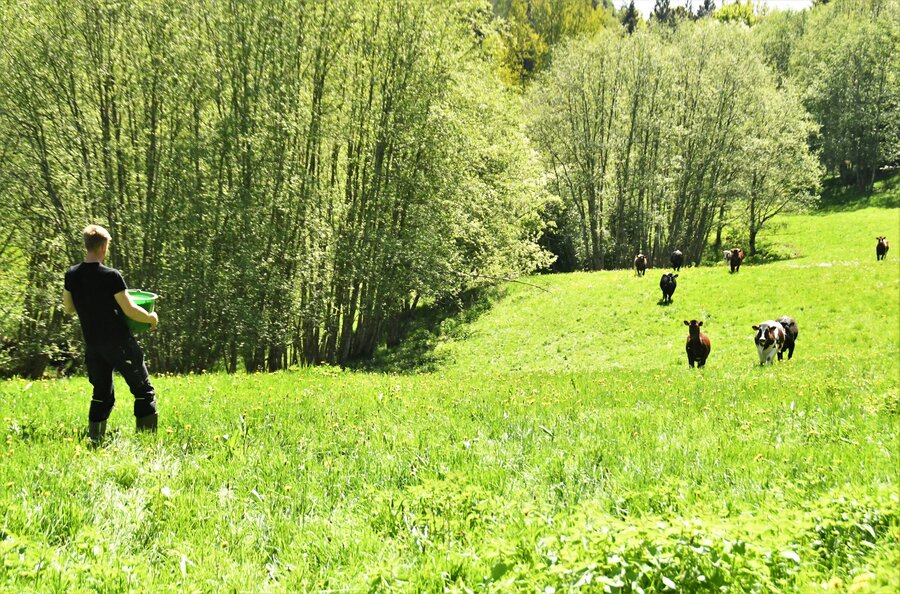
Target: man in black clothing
(98,294)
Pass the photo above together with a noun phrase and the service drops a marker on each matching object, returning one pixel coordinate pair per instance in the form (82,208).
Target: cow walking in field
(640,264)
(791,332)
(697,345)
(735,257)
(677,260)
(667,284)
(881,248)
(769,339)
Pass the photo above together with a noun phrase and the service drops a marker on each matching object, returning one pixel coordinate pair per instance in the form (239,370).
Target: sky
(646,6)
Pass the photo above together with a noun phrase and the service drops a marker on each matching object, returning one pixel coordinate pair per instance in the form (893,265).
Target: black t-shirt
(93,287)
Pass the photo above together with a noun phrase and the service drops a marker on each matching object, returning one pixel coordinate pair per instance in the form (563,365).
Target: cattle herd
(773,337)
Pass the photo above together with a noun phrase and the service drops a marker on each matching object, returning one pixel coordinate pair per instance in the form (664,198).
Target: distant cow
(770,337)
(791,332)
(667,284)
(697,345)
(881,248)
(677,260)
(640,264)
(735,256)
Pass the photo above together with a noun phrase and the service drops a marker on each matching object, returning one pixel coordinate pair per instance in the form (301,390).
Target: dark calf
(640,264)
(667,284)
(736,257)
(677,260)
(791,332)
(881,248)
(697,345)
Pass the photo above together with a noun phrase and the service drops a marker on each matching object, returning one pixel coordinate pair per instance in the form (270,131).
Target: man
(98,294)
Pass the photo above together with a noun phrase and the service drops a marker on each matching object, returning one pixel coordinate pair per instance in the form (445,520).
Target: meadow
(551,440)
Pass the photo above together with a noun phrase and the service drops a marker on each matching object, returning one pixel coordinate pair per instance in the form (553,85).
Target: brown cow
(640,264)
(881,248)
(697,345)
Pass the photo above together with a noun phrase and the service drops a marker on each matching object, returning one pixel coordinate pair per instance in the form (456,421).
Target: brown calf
(697,345)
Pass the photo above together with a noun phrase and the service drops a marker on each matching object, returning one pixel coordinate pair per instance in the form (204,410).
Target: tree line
(292,177)
(693,132)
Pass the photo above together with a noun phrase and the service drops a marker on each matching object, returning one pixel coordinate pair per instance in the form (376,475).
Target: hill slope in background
(845,303)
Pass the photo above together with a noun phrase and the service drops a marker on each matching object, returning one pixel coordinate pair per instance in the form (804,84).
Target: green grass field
(558,443)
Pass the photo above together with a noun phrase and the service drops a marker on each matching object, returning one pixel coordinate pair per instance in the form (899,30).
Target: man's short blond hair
(95,237)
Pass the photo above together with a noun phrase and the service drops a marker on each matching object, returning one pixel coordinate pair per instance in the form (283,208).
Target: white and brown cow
(769,339)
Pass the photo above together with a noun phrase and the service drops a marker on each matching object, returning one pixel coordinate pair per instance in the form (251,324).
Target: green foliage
(289,185)
(736,13)
(534,27)
(656,139)
(847,65)
(777,34)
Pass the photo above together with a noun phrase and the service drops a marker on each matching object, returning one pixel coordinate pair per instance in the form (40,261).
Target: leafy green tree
(292,186)
(779,171)
(736,13)
(534,27)
(778,34)
(849,68)
(646,137)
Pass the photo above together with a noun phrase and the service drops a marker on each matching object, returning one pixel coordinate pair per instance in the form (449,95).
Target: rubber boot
(96,431)
(147,423)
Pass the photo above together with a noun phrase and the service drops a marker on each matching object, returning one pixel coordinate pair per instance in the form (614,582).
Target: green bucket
(147,301)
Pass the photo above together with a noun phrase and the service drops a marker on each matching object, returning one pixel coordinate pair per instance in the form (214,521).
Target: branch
(504,279)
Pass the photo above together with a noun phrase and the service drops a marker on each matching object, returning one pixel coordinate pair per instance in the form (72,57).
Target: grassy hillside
(560,443)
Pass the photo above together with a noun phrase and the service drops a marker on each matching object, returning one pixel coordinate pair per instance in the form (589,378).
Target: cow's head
(766,335)
(735,254)
(693,327)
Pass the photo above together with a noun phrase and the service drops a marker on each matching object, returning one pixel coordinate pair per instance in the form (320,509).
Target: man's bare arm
(135,311)
(68,303)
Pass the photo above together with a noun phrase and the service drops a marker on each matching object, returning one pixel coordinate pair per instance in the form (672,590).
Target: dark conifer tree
(706,9)
(663,13)
(630,18)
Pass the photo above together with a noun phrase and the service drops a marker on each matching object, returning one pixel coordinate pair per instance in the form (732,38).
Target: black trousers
(127,358)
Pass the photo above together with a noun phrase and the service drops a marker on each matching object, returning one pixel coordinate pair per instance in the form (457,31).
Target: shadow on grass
(839,198)
(664,303)
(431,324)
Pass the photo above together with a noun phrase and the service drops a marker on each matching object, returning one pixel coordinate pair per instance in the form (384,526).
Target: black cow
(667,284)
(677,260)
(736,257)
(791,332)
(881,248)
(640,264)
